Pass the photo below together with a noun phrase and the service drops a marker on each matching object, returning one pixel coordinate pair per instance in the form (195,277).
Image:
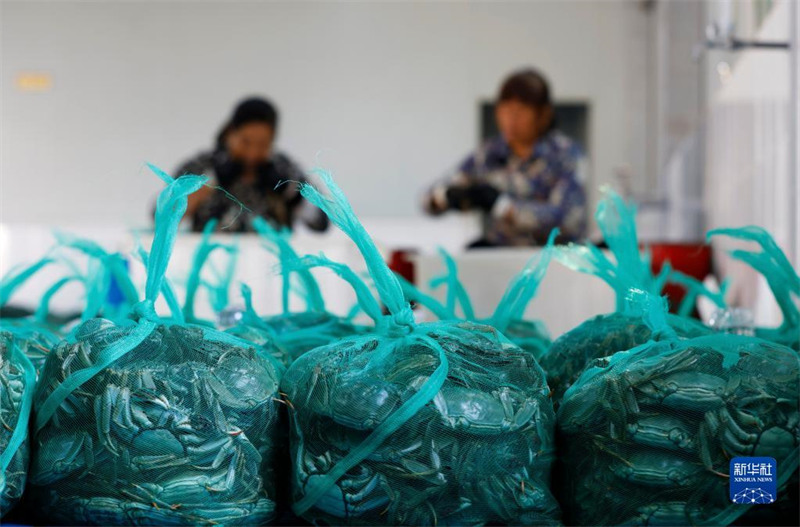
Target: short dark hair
(527,86)
(254,110)
(250,110)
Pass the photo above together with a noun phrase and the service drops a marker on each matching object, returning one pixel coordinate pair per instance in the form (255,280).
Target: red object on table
(693,259)
(400,263)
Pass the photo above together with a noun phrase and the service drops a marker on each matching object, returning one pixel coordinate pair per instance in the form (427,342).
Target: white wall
(387,92)
(749,179)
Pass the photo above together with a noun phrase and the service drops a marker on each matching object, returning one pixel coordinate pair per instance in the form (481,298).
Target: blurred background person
(525,181)
(245,164)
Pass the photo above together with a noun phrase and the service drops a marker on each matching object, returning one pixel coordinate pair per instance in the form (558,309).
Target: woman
(246,166)
(525,181)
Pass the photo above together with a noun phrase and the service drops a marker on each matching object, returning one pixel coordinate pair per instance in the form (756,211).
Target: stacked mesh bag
(291,333)
(604,335)
(415,424)
(155,420)
(35,335)
(646,436)
(24,346)
(781,277)
(508,317)
(17,382)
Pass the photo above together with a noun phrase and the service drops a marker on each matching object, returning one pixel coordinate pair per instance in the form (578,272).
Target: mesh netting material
(34,339)
(290,334)
(646,436)
(601,337)
(628,272)
(217,291)
(182,429)
(17,379)
(449,425)
(302,332)
(695,289)
(263,339)
(34,335)
(530,335)
(436,423)
(781,276)
(156,421)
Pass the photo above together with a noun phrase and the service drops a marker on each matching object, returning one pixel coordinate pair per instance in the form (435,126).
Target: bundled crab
(415,424)
(623,329)
(17,380)
(156,420)
(509,315)
(291,333)
(646,436)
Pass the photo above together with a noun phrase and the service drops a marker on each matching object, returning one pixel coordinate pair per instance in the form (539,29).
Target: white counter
(564,300)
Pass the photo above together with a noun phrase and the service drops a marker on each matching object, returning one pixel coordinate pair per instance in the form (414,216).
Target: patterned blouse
(537,194)
(281,207)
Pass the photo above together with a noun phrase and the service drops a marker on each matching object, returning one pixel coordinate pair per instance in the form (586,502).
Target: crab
(176,422)
(434,467)
(668,417)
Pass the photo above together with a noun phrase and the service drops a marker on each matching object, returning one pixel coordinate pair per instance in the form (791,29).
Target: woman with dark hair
(526,180)
(245,164)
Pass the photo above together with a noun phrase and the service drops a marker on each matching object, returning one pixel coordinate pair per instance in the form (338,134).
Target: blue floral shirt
(537,194)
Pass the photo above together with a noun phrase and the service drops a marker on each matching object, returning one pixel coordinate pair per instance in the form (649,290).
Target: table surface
(565,298)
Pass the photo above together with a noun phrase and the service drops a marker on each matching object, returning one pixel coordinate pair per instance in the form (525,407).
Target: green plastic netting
(782,278)
(252,328)
(218,290)
(442,423)
(35,335)
(155,420)
(646,436)
(508,317)
(290,334)
(17,380)
(605,335)
(694,290)
(38,334)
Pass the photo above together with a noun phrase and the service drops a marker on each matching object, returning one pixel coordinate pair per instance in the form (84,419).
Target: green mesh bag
(218,291)
(694,290)
(508,317)
(38,334)
(291,334)
(34,335)
(647,435)
(781,277)
(605,335)
(155,420)
(17,382)
(254,329)
(105,271)
(442,423)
